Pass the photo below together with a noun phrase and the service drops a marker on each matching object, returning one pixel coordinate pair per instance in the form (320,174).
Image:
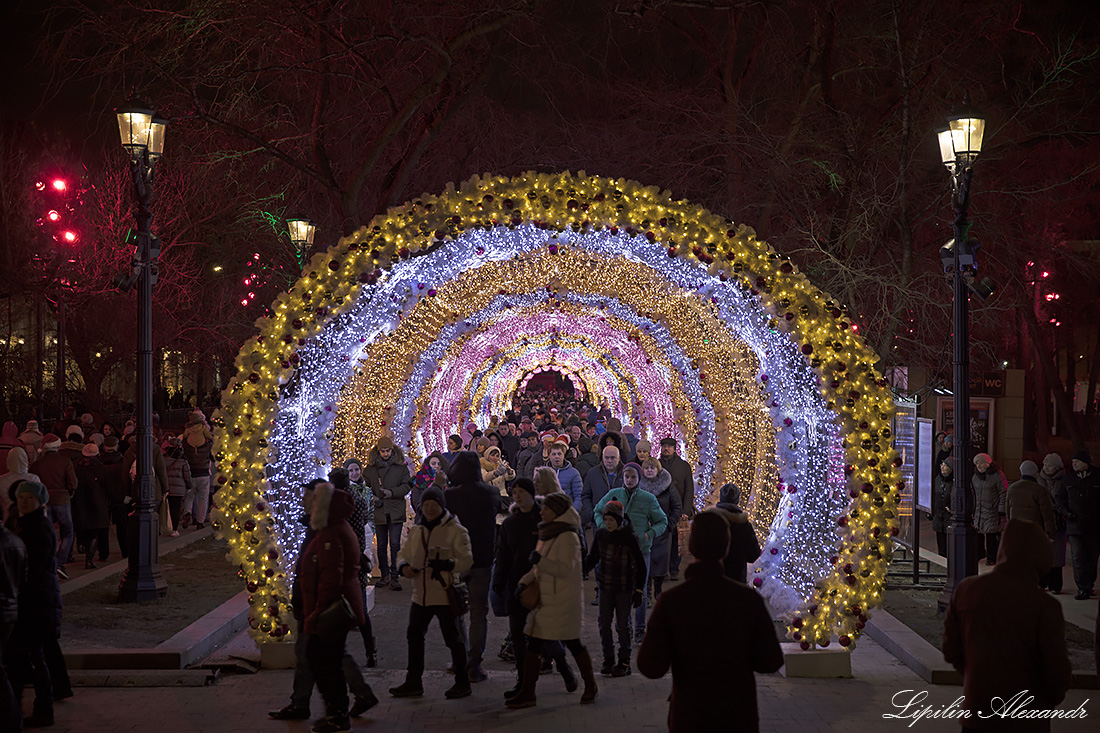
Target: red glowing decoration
(59,184)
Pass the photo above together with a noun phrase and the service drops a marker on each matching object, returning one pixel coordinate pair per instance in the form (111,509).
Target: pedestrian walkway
(240,703)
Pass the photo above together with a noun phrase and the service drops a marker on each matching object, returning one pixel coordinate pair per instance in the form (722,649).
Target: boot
(584,664)
(371,649)
(89,555)
(567,675)
(608,665)
(658,584)
(526,696)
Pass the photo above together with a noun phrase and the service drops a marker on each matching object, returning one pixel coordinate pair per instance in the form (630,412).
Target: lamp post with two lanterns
(960,143)
(142,134)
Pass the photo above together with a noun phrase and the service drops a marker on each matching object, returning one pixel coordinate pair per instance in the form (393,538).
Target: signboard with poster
(926,447)
(981,422)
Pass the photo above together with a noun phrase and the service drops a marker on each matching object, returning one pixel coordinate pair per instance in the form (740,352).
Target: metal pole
(143,580)
(961,559)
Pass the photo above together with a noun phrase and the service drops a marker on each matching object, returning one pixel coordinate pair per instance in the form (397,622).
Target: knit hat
(74,430)
(668,441)
(1053,460)
(196,418)
(89,450)
(950,461)
(175,442)
(1083,456)
(110,443)
(87,418)
(385,443)
(50,442)
(1028,468)
(32,425)
(634,467)
(614,508)
(434,493)
(984,457)
(710,536)
(557,502)
(33,487)
(96,438)
(643,445)
(524,483)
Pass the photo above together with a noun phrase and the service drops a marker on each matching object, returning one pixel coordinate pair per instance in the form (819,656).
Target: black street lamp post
(143,138)
(960,143)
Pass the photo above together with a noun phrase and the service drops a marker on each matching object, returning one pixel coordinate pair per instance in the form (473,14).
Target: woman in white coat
(436,552)
(557,569)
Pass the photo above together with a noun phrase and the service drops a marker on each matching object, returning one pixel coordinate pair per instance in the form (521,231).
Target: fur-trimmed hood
(398,456)
(657,485)
(329,506)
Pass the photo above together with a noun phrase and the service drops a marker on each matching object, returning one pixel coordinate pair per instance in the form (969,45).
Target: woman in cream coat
(557,568)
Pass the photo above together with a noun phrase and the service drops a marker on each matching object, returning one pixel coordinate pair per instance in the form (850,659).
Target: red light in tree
(69,236)
(244,301)
(40,185)
(1045,274)
(59,184)
(53,215)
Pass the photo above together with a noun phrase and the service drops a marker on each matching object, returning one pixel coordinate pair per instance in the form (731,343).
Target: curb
(927,661)
(190,645)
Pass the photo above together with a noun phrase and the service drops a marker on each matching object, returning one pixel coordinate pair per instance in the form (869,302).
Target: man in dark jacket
(59,476)
(13,575)
(390,482)
(39,603)
(601,479)
(1006,635)
(683,483)
(1028,499)
(1082,512)
(621,578)
(744,547)
(518,536)
(476,504)
(116,479)
(712,681)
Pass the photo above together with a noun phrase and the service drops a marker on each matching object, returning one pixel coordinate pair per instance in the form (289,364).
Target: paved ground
(240,703)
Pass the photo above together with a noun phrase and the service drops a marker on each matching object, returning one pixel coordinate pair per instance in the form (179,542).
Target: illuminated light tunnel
(681,322)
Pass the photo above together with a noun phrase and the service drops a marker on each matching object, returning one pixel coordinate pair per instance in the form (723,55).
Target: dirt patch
(918,609)
(199,580)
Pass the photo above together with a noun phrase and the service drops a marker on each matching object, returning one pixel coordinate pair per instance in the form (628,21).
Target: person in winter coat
(39,624)
(1006,635)
(546,481)
(298,709)
(13,576)
(59,477)
(389,479)
(31,438)
(569,478)
(197,442)
(74,441)
(942,490)
(1082,510)
(646,519)
(621,577)
(657,481)
(712,682)
(1052,477)
(744,547)
(437,551)
(432,473)
(495,470)
(18,470)
(9,438)
(180,482)
(556,568)
(990,503)
(945,444)
(540,455)
(588,459)
(91,506)
(517,540)
(683,483)
(476,504)
(600,480)
(340,478)
(528,441)
(1029,500)
(329,571)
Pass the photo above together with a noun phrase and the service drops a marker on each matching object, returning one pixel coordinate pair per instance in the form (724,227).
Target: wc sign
(987,384)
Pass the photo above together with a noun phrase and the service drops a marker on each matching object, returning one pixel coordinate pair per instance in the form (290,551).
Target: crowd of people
(509,521)
(1065,503)
(59,499)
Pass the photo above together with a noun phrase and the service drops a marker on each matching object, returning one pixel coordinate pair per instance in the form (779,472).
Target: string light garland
(821,432)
